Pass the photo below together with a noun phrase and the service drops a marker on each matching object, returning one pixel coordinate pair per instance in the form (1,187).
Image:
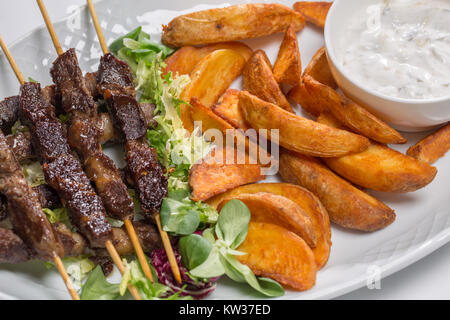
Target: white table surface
(427,279)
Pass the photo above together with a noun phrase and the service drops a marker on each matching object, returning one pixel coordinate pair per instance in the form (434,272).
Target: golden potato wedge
(347,206)
(279,254)
(207,117)
(228,109)
(314,12)
(301,96)
(305,199)
(279,210)
(209,80)
(319,69)
(288,66)
(433,146)
(297,133)
(259,80)
(184,60)
(213,175)
(231,23)
(351,114)
(380,167)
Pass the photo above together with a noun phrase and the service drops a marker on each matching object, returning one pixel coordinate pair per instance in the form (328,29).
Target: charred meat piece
(106,129)
(21,146)
(25,212)
(148,110)
(148,236)
(90,79)
(127,115)
(53,96)
(114,193)
(148,175)
(70,83)
(104,262)
(8,113)
(87,213)
(3,208)
(12,248)
(74,244)
(115,75)
(48,198)
(84,136)
(48,135)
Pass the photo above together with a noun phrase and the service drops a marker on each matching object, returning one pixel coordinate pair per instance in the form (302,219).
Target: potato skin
(380,168)
(259,80)
(211,177)
(351,114)
(319,69)
(279,254)
(433,146)
(301,96)
(271,208)
(184,60)
(209,80)
(228,109)
(288,66)
(236,22)
(305,199)
(314,11)
(297,133)
(347,206)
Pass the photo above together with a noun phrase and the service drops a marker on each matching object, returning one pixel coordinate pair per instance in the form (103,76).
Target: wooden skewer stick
(12,62)
(50,28)
(56,259)
(164,237)
(129,226)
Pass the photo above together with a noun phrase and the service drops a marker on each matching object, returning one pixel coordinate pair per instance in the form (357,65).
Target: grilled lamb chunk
(87,213)
(90,79)
(12,248)
(48,198)
(70,83)
(114,75)
(8,113)
(48,135)
(127,115)
(74,244)
(147,174)
(3,208)
(25,212)
(21,146)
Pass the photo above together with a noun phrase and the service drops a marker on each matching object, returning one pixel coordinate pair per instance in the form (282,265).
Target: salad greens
(33,173)
(210,256)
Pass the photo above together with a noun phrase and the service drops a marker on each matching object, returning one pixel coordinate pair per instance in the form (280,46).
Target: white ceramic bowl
(404,114)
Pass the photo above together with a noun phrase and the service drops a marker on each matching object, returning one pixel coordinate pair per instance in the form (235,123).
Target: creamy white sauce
(400,48)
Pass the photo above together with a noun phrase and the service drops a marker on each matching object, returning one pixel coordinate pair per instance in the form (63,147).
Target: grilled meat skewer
(14,250)
(25,212)
(84,136)
(115,83)
(63,172)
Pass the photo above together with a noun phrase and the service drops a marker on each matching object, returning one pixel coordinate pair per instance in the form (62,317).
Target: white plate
(422,223)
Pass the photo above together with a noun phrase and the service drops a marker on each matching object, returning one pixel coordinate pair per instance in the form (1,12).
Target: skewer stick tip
(50,28)
(11,61)
(60,266)
(169,250)
(98,29)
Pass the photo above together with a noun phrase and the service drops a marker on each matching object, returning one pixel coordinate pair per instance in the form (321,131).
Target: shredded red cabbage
(196,289)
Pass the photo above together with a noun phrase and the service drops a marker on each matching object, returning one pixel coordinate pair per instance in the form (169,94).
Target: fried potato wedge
(228,109)
(319,69)
(258,79)
(347,206)
(184,60)
(305,199)
(301,96)
(433,146)
(297,133)
(279,254)
(236,22)
(279,210)
(314,12)
(380,167)
(351,114)
(214,174)
(208,119)
(209,80)
(288,66)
